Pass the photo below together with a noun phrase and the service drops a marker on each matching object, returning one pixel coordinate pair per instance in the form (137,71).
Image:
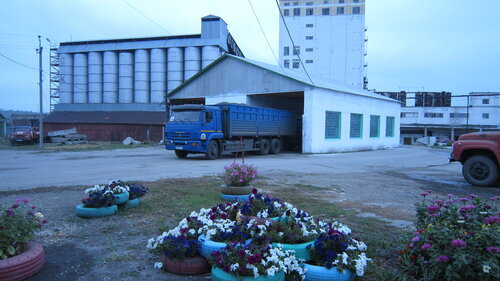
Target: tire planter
(220,275)
(236,190)
(321,273)
(187,266)
(259,221)
(209,246)
(240,198)
(85,212)
(24,265)
(301,251)
(122,198)
(133,203)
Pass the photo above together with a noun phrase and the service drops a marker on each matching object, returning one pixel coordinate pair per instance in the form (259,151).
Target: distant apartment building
(328,39)
(444,116)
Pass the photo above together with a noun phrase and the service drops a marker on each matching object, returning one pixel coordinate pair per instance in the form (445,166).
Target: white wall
(475,115)
(318,101)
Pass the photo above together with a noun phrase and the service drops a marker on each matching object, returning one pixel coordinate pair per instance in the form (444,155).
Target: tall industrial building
(125,81)
(329,37)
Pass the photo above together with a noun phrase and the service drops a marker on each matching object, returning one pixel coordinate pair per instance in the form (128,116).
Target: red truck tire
(480,170)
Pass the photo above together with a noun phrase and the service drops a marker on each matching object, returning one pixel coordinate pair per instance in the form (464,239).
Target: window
(389,126)
(287,4)
(356,10)
(374,126)
(355,1)
(309,25)
(409,114)
(295,3)
(433,115)
(309,3)
(326,1)
(286,13)
(309,49)
(309,61)
(296,63)
(325,11)
(486,101)
(340,10)
(486,116)
(458,115)
(309,12)
(296,11)
(309,37)
(296,50)
(332,125)
(356,125)
(341,1)
(286,51)
(286,63)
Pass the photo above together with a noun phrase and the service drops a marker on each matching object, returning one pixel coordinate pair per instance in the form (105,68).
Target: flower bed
(456,238)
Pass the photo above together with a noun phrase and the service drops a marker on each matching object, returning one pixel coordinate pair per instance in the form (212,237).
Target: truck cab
(194,129)
(479,154)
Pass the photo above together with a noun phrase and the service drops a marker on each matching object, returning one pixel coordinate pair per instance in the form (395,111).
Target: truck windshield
(185,116)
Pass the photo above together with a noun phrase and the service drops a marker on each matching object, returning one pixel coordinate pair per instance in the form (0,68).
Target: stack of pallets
(69,136)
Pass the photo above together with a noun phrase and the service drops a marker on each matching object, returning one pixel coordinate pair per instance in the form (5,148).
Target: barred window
(356,125)
(389,126)
(332,125)
(374,126)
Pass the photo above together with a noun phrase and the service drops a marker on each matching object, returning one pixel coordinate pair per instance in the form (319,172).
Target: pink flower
(457,243)
(466,208)
(442,259)
(473,196)
(493,249)
(492,220)
(433,208)
(464,200)
(424,194)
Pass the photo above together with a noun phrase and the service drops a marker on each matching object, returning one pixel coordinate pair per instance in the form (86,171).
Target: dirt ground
(381,184)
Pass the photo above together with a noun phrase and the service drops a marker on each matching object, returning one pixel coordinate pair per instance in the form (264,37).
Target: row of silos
(133,76)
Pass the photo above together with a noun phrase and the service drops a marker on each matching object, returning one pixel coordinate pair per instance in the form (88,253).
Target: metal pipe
(40,117)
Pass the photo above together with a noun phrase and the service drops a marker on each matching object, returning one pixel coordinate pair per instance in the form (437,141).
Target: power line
(18,62)
(293,44)
(263,33)
(144,15)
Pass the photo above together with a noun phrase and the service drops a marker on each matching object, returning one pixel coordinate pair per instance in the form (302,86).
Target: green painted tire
(85,212)
(220,275)
(133,203)
(122,198)
(240,198)
(321,273)
(301,251)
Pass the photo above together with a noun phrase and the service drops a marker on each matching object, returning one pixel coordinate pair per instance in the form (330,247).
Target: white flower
(234,267)
(486,269)
(158,265)
(39,215)
(361,264)
(271,271)
(344,258)
(192,231)
(461,221)
(150,243)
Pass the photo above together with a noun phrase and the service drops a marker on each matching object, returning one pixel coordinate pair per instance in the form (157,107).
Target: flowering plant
(98,196)
(255,260)
(225,231)
(239,174)
(137,190)
(18,225)
(117,187)
(263,206)
(300,228)
(338,249)
(458,233)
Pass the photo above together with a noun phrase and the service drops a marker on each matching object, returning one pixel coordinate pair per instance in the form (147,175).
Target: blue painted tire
(220,275)
(301,251)
(321,273)
(133,203)
(85,212)
(209,246)
(122,198)
(240,198)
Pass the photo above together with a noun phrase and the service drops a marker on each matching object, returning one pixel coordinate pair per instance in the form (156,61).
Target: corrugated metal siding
(243,78)
(112,132)
(100,117)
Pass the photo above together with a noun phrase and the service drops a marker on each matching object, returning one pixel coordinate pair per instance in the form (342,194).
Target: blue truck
(228,128)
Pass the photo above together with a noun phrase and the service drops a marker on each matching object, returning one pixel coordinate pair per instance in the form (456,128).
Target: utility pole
(40,118)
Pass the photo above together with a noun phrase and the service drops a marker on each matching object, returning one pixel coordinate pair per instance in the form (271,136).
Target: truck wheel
(480,170)
(264,147)
(212,150)
(181,153)
(275,146)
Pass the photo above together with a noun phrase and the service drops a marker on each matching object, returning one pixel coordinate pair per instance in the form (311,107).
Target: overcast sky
(431,45)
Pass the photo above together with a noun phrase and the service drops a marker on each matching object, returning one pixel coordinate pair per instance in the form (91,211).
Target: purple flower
(426,246)
(450,195)
(473,196)
(494,198)
(439,202)
(442,259)
(24,200)
(424,194)
(415,239)
(433,208)
(492,220)
(457,243)
(464,199)
(493,249)
(10,213)
(466,208)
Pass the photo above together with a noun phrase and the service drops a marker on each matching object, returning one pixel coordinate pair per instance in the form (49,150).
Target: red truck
(479,154)
(23,134)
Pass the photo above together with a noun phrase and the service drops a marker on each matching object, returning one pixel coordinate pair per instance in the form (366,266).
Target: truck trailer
(228,128)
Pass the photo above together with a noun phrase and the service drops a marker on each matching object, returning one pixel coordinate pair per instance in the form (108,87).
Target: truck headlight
(203,136)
